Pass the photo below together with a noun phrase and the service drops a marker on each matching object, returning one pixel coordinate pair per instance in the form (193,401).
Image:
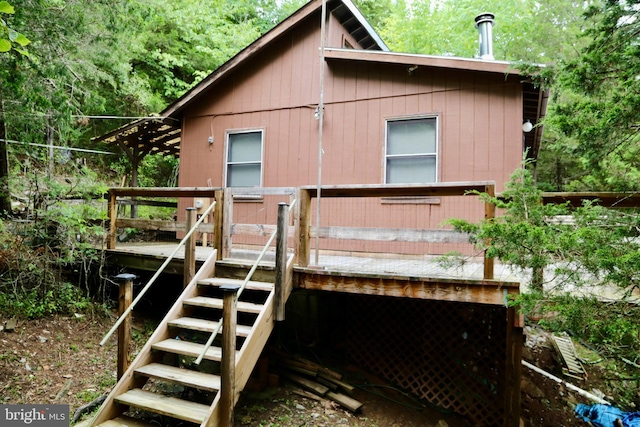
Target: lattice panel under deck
(451,354)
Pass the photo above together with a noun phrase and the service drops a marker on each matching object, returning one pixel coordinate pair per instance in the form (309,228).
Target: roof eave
(451,62)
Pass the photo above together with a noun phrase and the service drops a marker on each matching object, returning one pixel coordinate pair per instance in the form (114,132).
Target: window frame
(230,132)
(435,154)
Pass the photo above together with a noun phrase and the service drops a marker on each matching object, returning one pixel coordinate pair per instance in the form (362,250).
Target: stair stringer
(247,357)
(110,409)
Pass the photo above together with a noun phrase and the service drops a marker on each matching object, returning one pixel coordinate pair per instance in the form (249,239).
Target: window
(411,155)
(244,159)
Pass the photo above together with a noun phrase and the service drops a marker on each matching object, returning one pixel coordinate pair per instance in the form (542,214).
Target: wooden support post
(513,368)
(190,249)
(227,220)
(125,296)
(113,216)
(228,368)
(303,227)
(280,297)
(218,215)
(489,214)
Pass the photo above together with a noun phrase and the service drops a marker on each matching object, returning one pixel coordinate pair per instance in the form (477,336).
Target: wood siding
(479,120)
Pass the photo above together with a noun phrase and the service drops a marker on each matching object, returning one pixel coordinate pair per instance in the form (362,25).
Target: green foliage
(612,327)
(590,245)
(585,253)
(524,31)
(596,108)
(39,258)
(521,235)
(10,38)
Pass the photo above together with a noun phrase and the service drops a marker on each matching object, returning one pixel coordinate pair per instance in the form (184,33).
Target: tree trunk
(5,194)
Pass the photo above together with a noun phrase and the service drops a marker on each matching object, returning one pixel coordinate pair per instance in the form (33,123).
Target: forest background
(71,70)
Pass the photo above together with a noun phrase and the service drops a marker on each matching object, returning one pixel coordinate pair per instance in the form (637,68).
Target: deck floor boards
(385,264)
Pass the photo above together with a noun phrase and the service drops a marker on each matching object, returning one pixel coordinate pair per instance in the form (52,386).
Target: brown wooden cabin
(397,133)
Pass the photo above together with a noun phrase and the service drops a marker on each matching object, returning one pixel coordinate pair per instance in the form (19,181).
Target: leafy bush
(567,252)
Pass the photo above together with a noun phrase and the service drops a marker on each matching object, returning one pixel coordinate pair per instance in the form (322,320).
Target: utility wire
(10,141)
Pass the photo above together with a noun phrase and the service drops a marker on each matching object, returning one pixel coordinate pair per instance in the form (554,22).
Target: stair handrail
(216,330)
(157,274)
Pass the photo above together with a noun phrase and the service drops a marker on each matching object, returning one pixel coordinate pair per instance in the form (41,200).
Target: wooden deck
(425,266)
(391,275)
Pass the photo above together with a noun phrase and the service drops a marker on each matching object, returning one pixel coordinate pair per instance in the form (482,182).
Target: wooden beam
(189,249)
(165,191)
(475,291)
(489,214)
(430,61)
(513,368)
(125,297)
(281,262)
(160,225)
(303,225)
(113,216)
(227,219)
(159,203)
(262,191)
(607,199)
(391,234)
(228,363)
(399,190)
(218,215)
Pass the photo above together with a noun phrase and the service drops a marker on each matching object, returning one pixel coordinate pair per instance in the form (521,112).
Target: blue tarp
(605,415)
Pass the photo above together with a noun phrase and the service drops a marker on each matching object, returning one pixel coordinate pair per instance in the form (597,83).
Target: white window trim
(406,118)
(226,152)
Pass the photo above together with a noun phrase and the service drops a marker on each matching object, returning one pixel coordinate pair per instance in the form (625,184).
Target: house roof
(147,135)
(343,10)
(374,50)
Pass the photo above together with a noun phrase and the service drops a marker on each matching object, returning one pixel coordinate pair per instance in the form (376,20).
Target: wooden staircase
(163,383)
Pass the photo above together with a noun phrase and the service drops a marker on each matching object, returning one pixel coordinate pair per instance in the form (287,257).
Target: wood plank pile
(314,381)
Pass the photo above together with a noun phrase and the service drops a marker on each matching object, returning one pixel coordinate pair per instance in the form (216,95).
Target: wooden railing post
(303,227)
(281,261)
(228,368)
(190,249)
(218,215)
(125,296)
(489,214)
(227,220)
(113,216)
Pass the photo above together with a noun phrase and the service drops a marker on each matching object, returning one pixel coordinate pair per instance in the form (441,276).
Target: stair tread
(187,377)
(207,302)
(252,285)
(164,405)
(188,349)
(204,325)
(123,421)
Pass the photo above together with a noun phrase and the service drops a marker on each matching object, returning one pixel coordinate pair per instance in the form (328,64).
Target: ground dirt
(59,360)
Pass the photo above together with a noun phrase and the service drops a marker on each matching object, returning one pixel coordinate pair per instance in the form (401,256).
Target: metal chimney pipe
(484,24)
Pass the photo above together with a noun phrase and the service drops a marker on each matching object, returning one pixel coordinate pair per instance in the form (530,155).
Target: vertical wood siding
(479,118)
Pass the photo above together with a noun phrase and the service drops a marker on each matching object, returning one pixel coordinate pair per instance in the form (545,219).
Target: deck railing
(151,281)
(148,196)
(306,233)
(242,216)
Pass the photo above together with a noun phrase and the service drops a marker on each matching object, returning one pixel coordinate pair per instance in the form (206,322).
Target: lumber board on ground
(306,383)
(345,401)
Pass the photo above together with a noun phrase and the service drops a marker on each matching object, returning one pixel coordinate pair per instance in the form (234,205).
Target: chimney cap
(484,17)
